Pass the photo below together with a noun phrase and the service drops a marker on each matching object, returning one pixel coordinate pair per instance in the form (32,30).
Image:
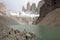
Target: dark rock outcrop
(47,7)
(52,18)
(40,3)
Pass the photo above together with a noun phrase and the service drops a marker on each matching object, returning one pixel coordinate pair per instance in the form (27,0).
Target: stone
(48,6)
(33,7)
(52,18)
(7,33)
(23,9)
(40,3)
(28,6)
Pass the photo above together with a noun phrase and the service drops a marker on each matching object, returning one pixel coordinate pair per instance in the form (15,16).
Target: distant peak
(2,5)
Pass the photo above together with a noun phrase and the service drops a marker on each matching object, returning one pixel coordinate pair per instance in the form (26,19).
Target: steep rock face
(39,5)
(52,18)
(23,9)
(47,7)
(33,7)
(57,2)
(28,6)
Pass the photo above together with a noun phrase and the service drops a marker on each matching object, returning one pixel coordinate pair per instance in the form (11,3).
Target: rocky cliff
(28,6)
(47,7)
(33,7)
(40,3)
(52,18)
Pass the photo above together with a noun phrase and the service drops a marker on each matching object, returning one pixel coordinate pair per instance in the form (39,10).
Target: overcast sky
(16,5)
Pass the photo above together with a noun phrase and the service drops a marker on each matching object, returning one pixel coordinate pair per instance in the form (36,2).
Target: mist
(16,5)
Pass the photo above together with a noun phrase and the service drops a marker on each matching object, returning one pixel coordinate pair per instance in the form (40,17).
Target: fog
(16,5)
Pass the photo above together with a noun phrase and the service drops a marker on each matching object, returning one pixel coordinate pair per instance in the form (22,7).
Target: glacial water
(28,28)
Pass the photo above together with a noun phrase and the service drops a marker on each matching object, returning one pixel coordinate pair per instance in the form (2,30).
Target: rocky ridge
(47,7)
(52,18)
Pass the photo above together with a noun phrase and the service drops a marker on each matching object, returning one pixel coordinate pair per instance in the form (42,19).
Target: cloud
(16,5)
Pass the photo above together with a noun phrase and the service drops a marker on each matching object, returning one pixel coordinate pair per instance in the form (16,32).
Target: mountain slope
(7,20)
(53,18)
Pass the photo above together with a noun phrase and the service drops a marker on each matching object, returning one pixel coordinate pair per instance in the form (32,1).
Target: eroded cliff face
(52,18)
(47,7)
(40,3)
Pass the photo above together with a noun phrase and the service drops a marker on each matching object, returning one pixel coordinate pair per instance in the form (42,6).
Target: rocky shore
(7,33)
